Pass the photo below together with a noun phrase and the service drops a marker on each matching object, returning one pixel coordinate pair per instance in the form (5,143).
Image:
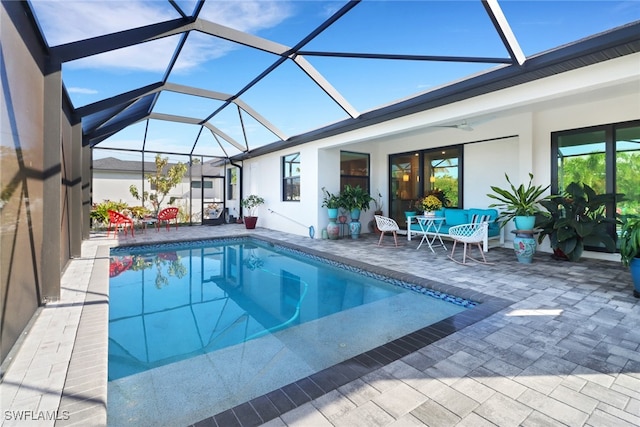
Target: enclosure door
(213,200)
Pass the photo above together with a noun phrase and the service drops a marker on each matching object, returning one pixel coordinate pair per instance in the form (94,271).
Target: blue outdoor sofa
(455,216)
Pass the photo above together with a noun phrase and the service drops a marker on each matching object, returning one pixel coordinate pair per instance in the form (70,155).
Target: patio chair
(385,224)
(166,215)
(117,220)
(469,234)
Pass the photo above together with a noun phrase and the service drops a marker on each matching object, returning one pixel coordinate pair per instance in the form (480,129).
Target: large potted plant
(355,199)
(576,218)
(520,204)
(251,203)
(332,202)
(630,249)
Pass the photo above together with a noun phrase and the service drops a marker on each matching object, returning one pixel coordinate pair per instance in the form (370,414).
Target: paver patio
(566,350)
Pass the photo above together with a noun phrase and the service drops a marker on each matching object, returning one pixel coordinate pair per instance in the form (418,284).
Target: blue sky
(287,97)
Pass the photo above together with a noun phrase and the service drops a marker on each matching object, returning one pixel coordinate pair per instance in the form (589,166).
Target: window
(291,178)
(198,184)
(232,183)
(354,170)
(607,158)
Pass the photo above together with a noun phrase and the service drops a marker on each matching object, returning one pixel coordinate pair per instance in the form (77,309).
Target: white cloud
(66,21)
(82,90)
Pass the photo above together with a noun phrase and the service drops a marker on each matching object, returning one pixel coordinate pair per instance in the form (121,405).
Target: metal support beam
(108,42)
(51,178)
(326,86)
(504,30)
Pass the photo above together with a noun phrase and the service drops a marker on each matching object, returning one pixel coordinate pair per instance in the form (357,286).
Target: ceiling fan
(465,125)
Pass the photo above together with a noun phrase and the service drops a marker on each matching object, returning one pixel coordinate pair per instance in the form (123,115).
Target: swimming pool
(209,327)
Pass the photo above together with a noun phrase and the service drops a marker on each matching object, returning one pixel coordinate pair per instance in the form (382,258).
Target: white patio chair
(385,224)
(469,234)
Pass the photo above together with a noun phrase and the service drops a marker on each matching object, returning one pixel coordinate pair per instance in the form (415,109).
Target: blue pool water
(214,325)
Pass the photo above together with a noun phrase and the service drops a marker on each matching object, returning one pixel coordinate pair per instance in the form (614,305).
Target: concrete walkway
(565,352)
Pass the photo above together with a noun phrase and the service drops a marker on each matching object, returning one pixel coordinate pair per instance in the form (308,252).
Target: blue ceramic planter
(524,245)
(635,276)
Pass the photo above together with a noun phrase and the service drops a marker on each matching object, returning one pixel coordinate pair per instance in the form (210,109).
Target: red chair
(116,219)
(166,215)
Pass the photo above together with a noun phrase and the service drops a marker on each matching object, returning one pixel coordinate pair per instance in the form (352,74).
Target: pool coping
(90,353)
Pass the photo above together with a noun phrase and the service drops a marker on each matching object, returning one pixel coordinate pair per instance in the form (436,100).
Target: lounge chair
(166,215)
(117,219)
(385,224)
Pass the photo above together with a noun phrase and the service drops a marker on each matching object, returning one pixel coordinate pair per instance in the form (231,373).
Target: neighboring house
(112,178)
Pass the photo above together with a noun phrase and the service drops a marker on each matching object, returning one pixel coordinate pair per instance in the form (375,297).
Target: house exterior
(513,136)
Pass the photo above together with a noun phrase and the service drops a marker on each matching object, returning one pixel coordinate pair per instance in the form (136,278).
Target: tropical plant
(378,202)
(355,198)
(329,200)
(629,239)
(251,203)
(576,218)
(518,201)
(100,211)
(163,180)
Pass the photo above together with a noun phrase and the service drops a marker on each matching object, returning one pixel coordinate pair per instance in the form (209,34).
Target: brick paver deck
(564,351)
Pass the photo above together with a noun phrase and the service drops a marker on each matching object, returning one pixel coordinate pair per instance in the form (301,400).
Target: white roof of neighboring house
(114,164)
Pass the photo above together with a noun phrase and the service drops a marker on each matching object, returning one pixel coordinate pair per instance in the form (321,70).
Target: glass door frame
(223,218)
(421,178)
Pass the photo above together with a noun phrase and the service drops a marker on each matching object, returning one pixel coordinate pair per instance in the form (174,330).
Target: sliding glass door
(416,174)
(607,158)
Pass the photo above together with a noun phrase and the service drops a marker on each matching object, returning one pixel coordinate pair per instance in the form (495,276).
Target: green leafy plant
(520,201)
(378,202)
(629,239)
(329,200)
(251,203)
(355,198)
(100,211)
(163,180)
(576,218)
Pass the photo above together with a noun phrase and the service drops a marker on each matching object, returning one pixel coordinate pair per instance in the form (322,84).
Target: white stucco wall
(115,186)
(515,138)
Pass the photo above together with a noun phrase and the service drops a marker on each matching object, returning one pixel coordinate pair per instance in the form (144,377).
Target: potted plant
(355,199)
(576,218)
(332,202)
(251,203)
(378,203)
(630,249)
(441,195)
(430,204)
(519,204)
